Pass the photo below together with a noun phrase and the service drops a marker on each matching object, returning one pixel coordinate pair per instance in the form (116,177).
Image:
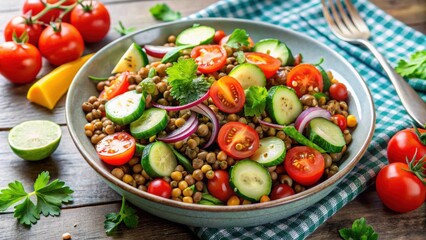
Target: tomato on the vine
(338,91)
(92,20)
(304,164)
(238,140)
(61,43)
(116,149)
(160,188)
(19,25)
(219,186)
(116,87)
(36,6)
(268,64)
(304,76)
(228,94)
(218,35)
(281,191)
(209,58)
(340,121)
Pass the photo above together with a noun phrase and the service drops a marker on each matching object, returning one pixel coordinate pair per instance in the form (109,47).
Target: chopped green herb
(162,12)
(238,38)
(49,198)
(126,215)
(415,68)
(240,57)
(255,100)
(359,231)
(123,30)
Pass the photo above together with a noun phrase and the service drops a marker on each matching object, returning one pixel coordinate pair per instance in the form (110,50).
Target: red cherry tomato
(238,140)
(224,40)
(304,164)
(219,186)
(268,64)
(338,91)
(117,86)
(61,45)
(303,76)
(19,25)
(399,189)
(160,188)
(92,20)
(298,59)
(116,149)
(210,58)
(228,94)
(340,120)
(281,191)
(36,6)
(218,35)
(19,62)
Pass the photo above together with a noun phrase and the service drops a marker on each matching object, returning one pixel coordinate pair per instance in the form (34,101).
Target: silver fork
(350,27)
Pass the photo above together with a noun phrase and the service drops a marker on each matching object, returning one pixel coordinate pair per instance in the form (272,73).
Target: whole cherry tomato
(228,94)
(338,91)
(304,164)
(340,121)
(61,43)
(218,35)
(304,76)
(281,191)
(219,186)
(36,6)
(19,25)
(116,149)
(160,188)
(92,20)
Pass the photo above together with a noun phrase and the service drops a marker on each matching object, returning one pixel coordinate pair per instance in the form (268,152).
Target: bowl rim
(239,208)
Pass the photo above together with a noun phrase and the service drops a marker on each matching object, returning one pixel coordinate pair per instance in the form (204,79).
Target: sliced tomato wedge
(116,149)
(238,140)
(117,86)
(267,63)
(304,76)
(304,164)
(224,40)
(210,58)
(228,94)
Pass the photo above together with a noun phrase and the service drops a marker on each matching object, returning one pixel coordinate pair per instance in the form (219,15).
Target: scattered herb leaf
(255,101)
(359,231)
(240,57)
(122,30)
(415,68)
(238,38)
(164,13)
(126,215)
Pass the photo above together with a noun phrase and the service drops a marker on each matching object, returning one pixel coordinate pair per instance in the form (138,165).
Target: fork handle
(412,102)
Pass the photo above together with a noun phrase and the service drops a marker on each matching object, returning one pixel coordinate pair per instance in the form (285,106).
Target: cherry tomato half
(116,149)
(303,76)
(281,191)
(399,189)
(338,91)
(268,64)
(218,35)
(209,58)
(228,94)
(19,25)
(340,121)
(304,164)
(117,86)
(238,140)
(224,40)
(160,188)
(219,186)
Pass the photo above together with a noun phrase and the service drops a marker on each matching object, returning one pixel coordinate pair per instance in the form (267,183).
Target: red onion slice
(308,114)
(157,51)
(190,126)
(182,107)
(206,111)
(272,125)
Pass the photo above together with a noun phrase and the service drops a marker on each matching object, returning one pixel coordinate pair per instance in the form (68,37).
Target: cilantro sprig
(238,38)
(164,13)
(360,231)
(126,215)
(415,68)
(50,198)
(255,101)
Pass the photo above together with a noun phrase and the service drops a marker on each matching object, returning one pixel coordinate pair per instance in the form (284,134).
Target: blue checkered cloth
(392,38)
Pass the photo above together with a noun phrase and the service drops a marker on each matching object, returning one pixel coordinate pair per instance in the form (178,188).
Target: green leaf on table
(238,38)
(360,231)
(415,68)
(255,100)
(122,30)
(126,215)
(163,12)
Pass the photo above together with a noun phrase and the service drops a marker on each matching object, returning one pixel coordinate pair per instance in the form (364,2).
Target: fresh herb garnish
(359,231)
(126,215)
(415,68)
(186,86)
(240,57)
(238,38)
(164,13)
(49,198)
(122,30)
(255,101)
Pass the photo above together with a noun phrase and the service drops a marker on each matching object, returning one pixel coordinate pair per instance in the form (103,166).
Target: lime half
(34,140)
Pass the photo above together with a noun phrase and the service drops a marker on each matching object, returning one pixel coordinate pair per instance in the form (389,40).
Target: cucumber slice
(325,79)
(250,180)
(151,122)
(139,149)
(195,36)
(283,105)
(248,75)
(276,49)
(125,108)
(158,160)
(300,138)
(174,54)
(183,160)
(326,135)
(271,152)
(132,60)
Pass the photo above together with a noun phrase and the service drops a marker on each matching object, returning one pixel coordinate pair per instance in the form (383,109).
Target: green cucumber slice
(125,108)
(250,180)
(248,75)
(174,54)
(326,135)
(283,105)
(271,152)
(132,60)
(151,122)
(277,49)
(196,35)
(300,138)
(158,160)
(139,149)
(187,165)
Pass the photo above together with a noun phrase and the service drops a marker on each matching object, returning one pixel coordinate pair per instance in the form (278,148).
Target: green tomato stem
(47,9)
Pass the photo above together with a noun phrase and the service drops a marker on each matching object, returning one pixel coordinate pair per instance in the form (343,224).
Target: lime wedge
(34,140)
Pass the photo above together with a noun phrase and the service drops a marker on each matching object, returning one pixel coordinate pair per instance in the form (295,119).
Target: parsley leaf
(163,12)
(126,215)
(360,230)
(240,57)
(255,101)
(238,38)
(415,68)
(49,198)
(186,86)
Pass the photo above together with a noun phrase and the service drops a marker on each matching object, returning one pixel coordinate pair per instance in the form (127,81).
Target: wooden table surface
(93,199)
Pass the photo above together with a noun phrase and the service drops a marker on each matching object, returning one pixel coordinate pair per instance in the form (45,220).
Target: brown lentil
(189,179)
(118,173)
(127,178)
(197,197)
(137,168)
